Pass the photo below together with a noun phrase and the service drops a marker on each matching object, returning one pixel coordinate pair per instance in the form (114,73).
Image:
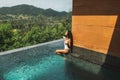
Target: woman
(67,44)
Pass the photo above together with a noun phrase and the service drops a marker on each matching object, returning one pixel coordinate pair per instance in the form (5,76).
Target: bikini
(65,45)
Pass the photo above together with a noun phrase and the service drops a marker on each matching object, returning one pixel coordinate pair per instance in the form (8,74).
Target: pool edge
(28,47)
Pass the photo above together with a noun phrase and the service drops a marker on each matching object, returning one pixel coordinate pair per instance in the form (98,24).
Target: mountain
(30,10)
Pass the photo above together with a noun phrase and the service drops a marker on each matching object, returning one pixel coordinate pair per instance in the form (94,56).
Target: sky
(59,5)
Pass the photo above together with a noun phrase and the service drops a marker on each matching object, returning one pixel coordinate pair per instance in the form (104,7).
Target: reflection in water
(55,67)
(108,74)
(43,64)
(78,72)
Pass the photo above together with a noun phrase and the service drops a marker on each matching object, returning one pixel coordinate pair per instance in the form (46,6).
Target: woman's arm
(69,43)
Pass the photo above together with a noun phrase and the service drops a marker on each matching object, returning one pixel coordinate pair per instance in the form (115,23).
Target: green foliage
(11,38)
(18,29)
(5,36)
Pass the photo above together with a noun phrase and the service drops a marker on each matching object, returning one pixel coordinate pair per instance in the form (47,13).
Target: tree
(5,36)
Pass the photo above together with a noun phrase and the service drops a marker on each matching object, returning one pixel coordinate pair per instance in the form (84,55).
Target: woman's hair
(69,34)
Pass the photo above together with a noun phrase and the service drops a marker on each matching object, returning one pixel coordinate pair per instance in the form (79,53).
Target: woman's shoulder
(68,40)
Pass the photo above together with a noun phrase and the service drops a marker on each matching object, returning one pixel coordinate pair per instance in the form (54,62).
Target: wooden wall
(96,25)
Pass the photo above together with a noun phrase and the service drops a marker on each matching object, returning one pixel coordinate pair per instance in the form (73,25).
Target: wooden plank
(93,32)
(96,7)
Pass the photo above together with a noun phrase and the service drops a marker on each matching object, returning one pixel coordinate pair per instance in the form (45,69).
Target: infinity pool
(40,62)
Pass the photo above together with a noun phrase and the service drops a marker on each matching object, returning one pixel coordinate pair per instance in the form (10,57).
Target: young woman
(67,44)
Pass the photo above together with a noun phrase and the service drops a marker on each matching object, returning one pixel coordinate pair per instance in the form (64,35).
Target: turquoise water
(41,63)
(40,70)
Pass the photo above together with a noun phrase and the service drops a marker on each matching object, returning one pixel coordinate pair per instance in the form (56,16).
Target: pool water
(49,67)
(41,63)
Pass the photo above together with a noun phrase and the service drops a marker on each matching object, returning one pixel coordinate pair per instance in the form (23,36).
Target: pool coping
(28,47)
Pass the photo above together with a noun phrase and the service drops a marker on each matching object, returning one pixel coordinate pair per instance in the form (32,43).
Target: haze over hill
(30,10)
(58,5)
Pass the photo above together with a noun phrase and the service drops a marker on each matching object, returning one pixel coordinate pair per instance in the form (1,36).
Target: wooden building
(96,31)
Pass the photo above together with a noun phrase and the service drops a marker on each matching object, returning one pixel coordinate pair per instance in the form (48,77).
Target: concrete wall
(96,27)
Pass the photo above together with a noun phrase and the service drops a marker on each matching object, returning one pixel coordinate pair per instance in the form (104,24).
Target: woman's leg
(65,51)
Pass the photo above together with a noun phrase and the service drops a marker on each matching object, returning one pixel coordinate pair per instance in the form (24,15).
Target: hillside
(30,10)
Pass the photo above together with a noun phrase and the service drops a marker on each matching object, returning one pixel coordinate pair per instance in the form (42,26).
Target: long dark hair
(69,34)
(71,40)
